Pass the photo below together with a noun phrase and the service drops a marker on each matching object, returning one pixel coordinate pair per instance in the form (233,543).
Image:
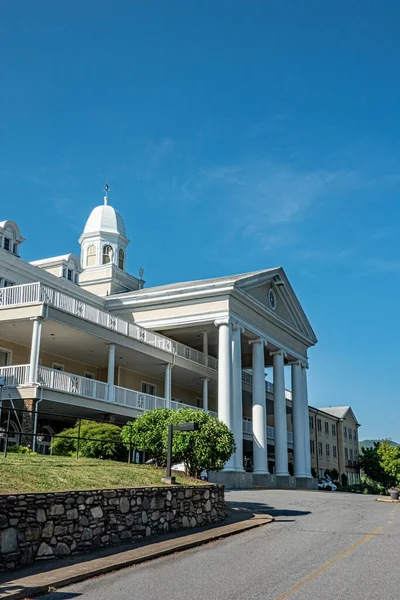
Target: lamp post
(171,428)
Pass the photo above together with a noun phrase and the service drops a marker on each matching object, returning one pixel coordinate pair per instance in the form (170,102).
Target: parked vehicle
(327,484)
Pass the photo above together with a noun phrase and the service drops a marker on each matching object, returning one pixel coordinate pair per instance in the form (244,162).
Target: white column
(298,421)
(237,395)
(205,347)
(111,371)
(307,424)
(259,411)
(225,379)
(168,385)
(280,422)
(205,394)
(35,350)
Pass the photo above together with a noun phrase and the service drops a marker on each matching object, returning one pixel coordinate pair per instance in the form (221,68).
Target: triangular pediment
(272,290)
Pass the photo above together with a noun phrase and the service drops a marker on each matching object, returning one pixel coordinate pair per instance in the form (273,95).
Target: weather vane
(106,190)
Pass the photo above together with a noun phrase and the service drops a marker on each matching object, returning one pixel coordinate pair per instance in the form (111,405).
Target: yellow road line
(328,564)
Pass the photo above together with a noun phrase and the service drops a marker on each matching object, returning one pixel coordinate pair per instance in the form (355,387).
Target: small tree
(96,440)
(207,448)
(344,479)
(147,433)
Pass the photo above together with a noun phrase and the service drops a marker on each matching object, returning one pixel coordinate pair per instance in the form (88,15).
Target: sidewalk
(42,578)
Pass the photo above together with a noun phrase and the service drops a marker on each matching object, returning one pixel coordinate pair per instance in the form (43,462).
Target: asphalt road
(321,546)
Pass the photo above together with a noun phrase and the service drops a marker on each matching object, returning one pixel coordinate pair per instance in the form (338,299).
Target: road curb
(27,587)
(387,500)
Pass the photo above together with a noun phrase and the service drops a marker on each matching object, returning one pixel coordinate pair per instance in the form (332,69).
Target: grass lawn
(24,473)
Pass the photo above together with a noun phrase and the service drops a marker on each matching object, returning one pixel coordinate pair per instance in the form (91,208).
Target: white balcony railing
(15,376)
(72,384)
(31,293)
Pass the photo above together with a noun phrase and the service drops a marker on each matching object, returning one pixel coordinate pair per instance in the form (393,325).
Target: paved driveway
(321,546)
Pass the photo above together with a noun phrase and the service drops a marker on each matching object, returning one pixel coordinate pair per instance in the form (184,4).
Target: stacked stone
(36,527)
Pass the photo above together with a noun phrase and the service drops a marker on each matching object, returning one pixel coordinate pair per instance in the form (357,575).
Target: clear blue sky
(235,136)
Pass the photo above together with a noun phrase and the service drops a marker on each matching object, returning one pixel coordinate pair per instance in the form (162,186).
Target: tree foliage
(379,464)
(97,440)
(147,433)
(208,448)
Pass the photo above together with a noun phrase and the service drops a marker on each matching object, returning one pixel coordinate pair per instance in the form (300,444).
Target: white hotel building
(82,337)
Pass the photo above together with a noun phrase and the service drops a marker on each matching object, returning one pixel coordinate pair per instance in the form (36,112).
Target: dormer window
(7,243)
(121,258)
(107,254)
(91,256)
(15,249)
(69,275)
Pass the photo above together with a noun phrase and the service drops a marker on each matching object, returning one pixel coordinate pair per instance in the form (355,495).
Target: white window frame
(153,385)
(89,375)
(9,358)
(58,366)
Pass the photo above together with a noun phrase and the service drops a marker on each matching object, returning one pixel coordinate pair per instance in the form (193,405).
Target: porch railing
(72,384)
(15,375)
(31,293)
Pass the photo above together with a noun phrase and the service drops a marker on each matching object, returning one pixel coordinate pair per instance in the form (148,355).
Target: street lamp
(171,428)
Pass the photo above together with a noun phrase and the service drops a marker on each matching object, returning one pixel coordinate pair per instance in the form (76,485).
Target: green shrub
(97,440)
(335,475)
(344,479)
(20,450)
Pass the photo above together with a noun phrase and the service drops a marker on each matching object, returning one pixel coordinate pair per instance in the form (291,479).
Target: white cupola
(103,253)
(104,240)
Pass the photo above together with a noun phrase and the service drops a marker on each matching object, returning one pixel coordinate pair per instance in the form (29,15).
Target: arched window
(121,258)
(107,254)
(91,256)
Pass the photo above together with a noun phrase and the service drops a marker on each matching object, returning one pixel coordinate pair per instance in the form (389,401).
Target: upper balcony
(36,293)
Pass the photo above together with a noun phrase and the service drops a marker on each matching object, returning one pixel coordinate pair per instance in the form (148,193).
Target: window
(334,451)
(355,436)
(355,454)
(351,453)
(321,473)
(350,434)
(326,427)
(7,243)
(148,388)
(319,424)
(327,450)
(91,256)
(345,432)
(311,423)
(121,258)
(8,283)
(320,452)
(107,254)
(5,357)
(15,248)
(312,447)
(333,428)
(57,367)
(69,276)
(346,453)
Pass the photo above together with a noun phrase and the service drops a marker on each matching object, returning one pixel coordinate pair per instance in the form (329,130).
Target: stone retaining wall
(36,527)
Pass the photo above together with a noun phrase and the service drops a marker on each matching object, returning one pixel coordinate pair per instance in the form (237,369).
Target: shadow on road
(261,507)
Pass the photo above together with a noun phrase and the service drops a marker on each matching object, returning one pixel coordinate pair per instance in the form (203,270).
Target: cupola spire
(106,190)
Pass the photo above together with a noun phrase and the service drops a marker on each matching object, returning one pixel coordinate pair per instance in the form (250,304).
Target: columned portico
(35,349)
(225,408)
(281,448)
(237,395)
(111,370)
(168,385)
(259,412)
(299,431)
